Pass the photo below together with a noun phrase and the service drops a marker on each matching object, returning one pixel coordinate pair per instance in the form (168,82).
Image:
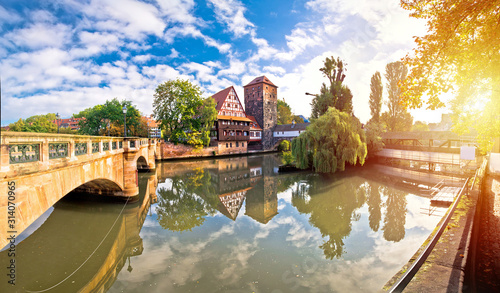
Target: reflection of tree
(395,217)
(180,208)
(374,206)
(332,203)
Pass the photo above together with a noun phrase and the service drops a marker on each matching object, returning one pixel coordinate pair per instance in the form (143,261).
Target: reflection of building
(232,178)
(262,201)
(232,202)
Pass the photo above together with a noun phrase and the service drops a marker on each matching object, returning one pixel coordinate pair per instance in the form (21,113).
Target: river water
(229,225)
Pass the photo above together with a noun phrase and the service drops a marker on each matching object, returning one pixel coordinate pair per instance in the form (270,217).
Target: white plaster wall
(286,133)
(494,163)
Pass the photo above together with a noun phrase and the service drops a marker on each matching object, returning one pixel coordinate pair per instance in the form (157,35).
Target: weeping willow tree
(329,142)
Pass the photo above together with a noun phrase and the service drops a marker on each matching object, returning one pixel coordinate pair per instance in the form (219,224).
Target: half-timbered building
(231,131)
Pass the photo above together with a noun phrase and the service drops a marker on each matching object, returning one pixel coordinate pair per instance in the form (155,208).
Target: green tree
(329,142)
(177,104)
(284,113)
(37,123)
(336,94)
(420,126)
(374,143)
(374,126)
(397,118)
(208,115)
(459,53)
(109,116)
(376,96)
(298,119)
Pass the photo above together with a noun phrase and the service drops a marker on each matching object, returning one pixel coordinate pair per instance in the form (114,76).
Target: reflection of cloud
(235,264)
(299,235)
(172,263)
(286,195)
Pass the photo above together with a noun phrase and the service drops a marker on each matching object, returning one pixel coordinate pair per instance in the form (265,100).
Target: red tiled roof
(254,121)
(260,79)
(151,122)
(221,96)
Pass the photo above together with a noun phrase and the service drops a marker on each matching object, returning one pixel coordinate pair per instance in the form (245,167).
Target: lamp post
(309,94)
(124,121)
(57,121)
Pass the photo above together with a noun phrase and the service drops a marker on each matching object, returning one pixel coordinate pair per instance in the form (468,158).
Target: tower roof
(261,79)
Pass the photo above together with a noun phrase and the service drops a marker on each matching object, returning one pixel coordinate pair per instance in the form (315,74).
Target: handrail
(410,273)
(479,171)
(437,186)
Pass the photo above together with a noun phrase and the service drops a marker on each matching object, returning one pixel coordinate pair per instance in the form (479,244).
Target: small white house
(289,130)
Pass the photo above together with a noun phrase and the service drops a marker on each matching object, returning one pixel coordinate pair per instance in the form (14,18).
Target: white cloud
(40,35)
(8,16)
(179,11)
(142,58)
(275,69)
(231,13)
(204,73)
(131,18)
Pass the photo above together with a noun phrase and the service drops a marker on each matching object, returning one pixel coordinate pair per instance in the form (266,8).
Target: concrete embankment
(444,270)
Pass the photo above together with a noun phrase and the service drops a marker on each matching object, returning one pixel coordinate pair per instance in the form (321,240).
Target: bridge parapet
(23,153)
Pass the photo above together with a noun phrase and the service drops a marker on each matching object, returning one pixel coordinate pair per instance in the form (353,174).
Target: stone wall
(232,148)
(169,151)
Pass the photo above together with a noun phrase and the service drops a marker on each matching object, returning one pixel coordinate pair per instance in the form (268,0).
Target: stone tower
(261,99)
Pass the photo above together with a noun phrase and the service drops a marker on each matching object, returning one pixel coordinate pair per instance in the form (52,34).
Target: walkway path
(488,252)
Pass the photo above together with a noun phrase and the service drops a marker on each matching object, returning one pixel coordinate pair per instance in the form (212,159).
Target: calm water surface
(229,225)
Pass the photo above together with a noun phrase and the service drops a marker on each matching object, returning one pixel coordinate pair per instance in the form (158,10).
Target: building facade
(261,100)
(154,130)
(231,131)
(71,123)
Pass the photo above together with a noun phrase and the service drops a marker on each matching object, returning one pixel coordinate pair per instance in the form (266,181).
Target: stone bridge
(275,142)
(38,169)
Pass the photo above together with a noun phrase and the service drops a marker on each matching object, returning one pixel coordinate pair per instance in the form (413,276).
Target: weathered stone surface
(40,184)
(261,100)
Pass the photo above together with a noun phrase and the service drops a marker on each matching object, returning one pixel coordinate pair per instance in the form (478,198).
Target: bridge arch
(277,142)
(142,164)
(101,186)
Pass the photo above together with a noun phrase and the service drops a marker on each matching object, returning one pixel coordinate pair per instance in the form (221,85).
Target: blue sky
(64,56)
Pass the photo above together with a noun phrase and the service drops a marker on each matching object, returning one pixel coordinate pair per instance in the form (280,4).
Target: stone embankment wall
(167,150)
(171,151)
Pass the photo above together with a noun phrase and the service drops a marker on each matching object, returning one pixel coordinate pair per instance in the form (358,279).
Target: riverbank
(448,268)
(172,152)
(487,263)
(443,271)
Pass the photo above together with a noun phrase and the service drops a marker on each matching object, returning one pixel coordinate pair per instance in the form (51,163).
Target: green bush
(287,158)
(284,146)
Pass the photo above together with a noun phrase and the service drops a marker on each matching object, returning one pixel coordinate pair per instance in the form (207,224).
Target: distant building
(444,125)
(71,123)
(255,135)
(5,128)
(231,131)
(261,100)
(153,127)
(289,130)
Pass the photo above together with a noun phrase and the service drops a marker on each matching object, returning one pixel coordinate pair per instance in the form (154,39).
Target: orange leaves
(460,47)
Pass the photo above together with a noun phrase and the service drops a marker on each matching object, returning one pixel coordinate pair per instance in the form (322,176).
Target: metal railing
(415,266)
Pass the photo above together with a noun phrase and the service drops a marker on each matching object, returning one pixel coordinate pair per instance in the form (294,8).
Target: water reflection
(83,244)
(229,225)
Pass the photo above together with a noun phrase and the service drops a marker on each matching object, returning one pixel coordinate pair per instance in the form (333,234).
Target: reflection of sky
(281,256)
